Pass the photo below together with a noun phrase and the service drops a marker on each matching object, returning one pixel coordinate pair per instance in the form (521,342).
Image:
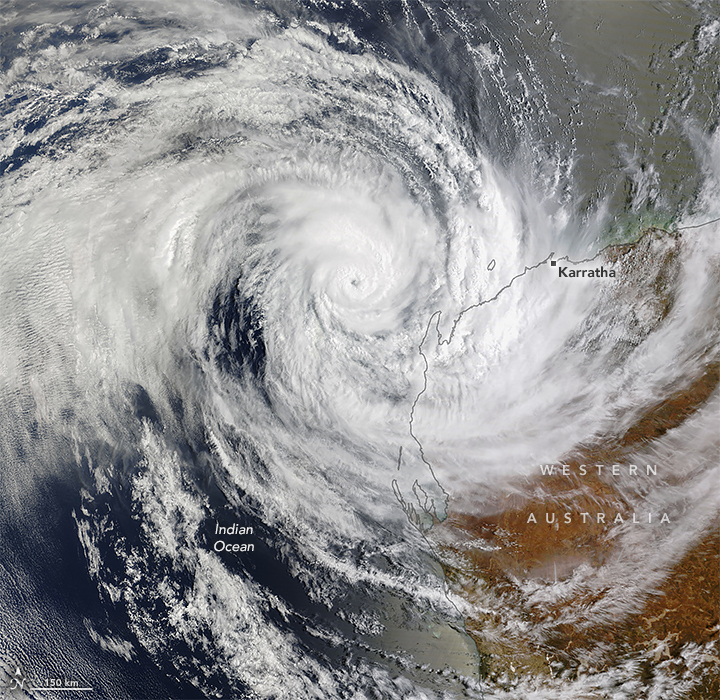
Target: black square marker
(553,263)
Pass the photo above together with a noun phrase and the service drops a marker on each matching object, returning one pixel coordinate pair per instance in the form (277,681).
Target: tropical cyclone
(571,379)
(225,226)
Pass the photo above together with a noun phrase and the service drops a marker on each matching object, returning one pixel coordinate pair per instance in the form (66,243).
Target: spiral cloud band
(286,324)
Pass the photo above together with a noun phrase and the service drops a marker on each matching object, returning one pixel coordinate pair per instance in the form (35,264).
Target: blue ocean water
(226,227)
